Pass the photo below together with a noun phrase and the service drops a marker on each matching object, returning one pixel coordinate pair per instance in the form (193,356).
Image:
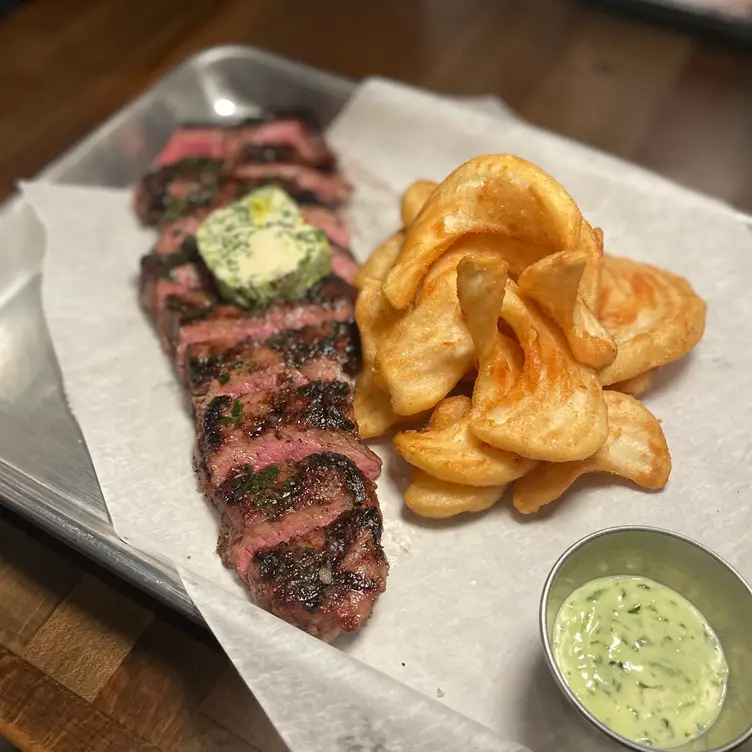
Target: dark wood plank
(37,713)
(174,673)
(701,134)
(86,638)
(33,581)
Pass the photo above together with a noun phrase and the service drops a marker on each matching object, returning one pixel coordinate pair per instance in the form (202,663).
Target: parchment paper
(458,621)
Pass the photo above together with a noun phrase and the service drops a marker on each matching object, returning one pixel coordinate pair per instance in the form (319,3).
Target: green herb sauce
(642,659)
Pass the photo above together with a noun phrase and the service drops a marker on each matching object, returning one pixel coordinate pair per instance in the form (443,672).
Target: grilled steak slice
(326,581)
(329,188)
(173,191)
(173,234)
(329,222)
(335,341)
(264,428)
(283,502)
(199,317)
(294,136)
(172,276)
(159,189)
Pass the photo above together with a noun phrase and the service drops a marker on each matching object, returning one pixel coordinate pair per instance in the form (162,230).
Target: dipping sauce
(642,659)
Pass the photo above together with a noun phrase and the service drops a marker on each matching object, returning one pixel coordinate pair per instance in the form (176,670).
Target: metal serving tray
(46,473)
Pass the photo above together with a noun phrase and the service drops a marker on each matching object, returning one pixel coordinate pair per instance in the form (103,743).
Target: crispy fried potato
(499,194)
(591,244)
(414,198)
(554,284)
(654,317)
(636,385)
(423,357)
(431,497)
(481,284)
(372,408)
(446,449)
(375,317)
(636,449)
(554,409)
(380,261)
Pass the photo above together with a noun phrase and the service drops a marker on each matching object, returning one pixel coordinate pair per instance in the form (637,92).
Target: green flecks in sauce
(650,679)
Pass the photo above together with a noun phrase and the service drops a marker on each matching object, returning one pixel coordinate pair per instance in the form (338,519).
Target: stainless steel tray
(46,473)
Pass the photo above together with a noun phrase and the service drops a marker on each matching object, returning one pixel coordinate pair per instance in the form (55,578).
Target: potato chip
(636,385)
(447,450)
(654,317)
(375,317)
(636,449)
(431,497)
(481,284)
(591,244)
(498,194)
(428,351)
(372,408)
(554,284)
(554,409)
(414,198)
(380,261)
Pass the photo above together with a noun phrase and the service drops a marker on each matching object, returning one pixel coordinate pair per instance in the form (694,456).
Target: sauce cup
(693,571)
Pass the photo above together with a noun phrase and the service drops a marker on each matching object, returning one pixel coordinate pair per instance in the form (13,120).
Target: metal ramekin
(695,572)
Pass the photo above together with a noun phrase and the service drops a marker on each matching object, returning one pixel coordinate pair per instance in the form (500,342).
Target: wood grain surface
(88,663)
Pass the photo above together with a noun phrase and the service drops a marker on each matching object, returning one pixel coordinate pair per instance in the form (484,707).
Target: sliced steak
(327,187)
(159,189)
(172,235)
(333,341)
(272,389)
(199,317)
(266,427)
(325,581)
(293,136)
(282,502)
(169,193)
(172,276)
(280,444)
(329,222)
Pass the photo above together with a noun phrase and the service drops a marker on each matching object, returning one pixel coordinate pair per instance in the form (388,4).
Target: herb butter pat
(260,248)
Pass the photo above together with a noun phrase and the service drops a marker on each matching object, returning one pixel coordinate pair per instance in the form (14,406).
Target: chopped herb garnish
(237,409)
(223,378)
(634,609)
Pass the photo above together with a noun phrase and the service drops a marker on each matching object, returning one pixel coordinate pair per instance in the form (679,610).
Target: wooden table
(87,663)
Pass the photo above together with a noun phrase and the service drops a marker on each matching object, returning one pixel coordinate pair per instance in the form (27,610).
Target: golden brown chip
(554,409)
(591,244)
(654,317)
(431,497)
(428,351)
(554,283)
(481,284)
(372,408)
(375,317)
(447,450)
(414,198)
(636,449)
(380,261)
(498,194)
(636,385)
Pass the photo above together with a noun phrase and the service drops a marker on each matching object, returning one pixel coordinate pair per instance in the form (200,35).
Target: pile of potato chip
(497,288)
